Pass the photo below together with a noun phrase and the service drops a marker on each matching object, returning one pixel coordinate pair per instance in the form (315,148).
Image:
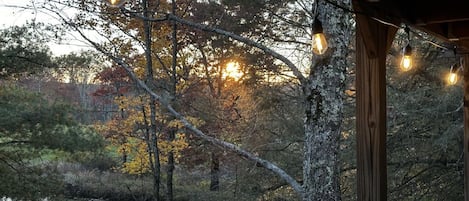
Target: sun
(233,70)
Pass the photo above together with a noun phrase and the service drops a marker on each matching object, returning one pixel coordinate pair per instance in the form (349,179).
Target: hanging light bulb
(115,3)
(453,77)
(406,61)
(319,43)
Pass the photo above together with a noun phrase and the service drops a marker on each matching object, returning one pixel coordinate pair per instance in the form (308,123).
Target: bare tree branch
(244,40)
(226,145)
(239,38)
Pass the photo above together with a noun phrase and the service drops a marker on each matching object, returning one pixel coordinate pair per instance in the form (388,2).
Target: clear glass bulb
(452,78)
(406,62)
(319,43)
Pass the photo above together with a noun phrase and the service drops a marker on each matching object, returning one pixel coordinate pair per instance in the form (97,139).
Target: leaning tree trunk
(324,94)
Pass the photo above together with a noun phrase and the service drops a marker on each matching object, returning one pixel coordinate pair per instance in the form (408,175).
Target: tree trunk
(174,81)
(214,172)
(124,156)
(170,171)
(156,159)
(150,80)
(324,94)
(152,148)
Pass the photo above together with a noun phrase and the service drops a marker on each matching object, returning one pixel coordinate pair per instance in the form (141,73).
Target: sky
(11,16)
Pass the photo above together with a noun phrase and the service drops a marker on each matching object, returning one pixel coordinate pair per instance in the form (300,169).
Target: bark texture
(324,93)
(466,126)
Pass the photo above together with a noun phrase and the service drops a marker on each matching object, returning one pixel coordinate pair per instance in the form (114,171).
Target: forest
(214,100)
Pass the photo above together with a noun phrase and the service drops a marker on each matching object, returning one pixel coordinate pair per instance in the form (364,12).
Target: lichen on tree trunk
(324,94)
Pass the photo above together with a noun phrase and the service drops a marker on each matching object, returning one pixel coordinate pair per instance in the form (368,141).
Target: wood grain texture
(372,42)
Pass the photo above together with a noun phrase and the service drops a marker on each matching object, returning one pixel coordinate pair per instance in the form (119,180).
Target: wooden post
(466,126)
(372,42)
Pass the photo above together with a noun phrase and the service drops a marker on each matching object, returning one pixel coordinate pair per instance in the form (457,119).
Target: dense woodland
(166,105)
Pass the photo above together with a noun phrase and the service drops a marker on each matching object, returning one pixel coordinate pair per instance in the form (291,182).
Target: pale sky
(10,16)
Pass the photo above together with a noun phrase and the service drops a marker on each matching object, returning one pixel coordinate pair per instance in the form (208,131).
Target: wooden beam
(372,42)
(368,29)
(450,11)
(466,126)
(449,31)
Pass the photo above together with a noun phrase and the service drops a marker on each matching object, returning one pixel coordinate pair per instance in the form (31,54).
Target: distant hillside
(91,107)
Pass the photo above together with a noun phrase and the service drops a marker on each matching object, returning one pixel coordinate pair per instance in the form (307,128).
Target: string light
(406,60)
(318,40)
(320,46)
(319,43)
(453,77)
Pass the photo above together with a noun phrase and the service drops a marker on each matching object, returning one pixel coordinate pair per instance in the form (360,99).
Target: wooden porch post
(466,127)
(372,42)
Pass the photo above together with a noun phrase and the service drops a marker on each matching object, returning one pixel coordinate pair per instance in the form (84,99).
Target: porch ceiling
(447,19)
